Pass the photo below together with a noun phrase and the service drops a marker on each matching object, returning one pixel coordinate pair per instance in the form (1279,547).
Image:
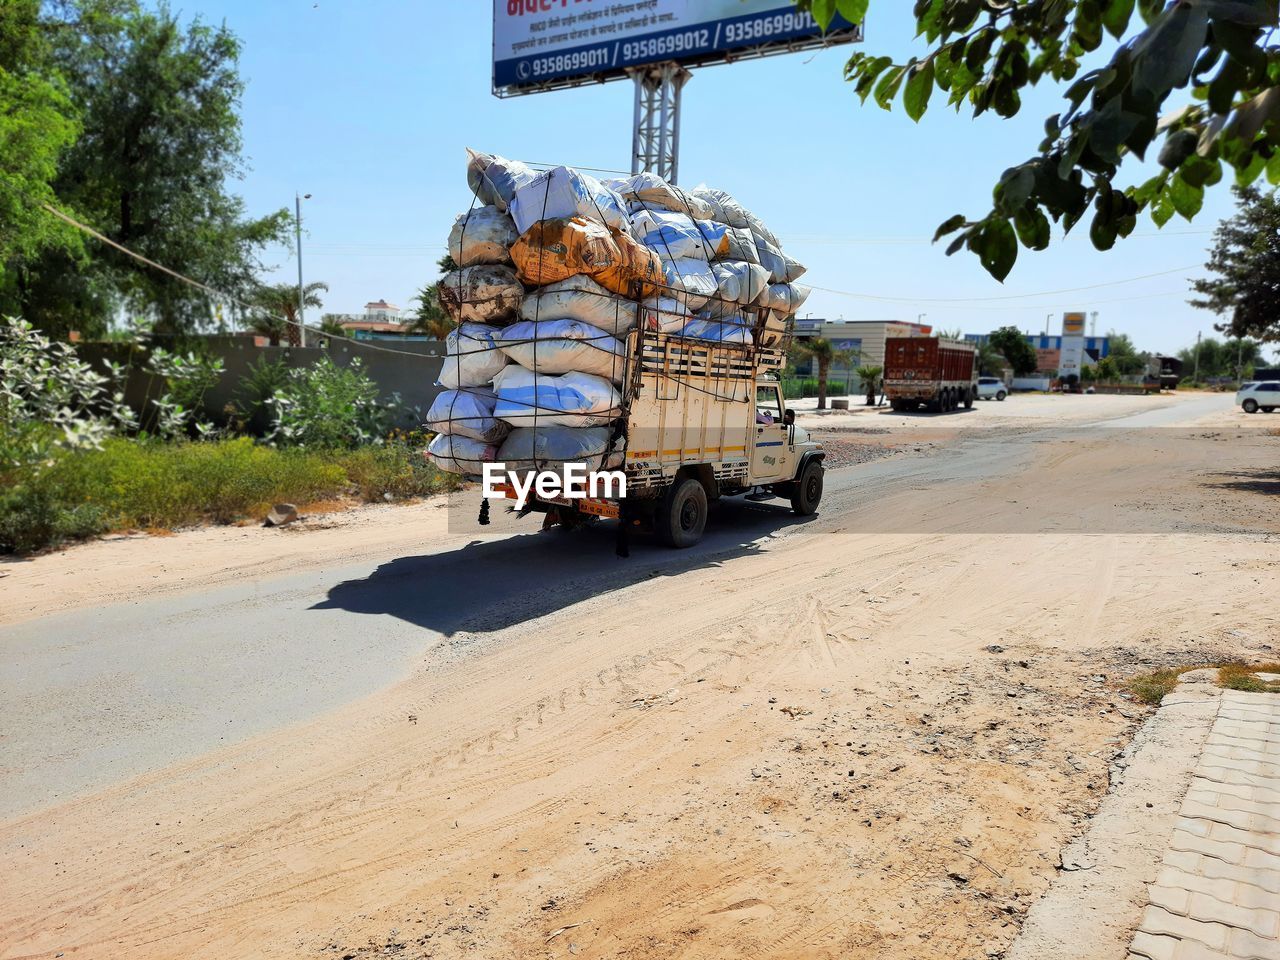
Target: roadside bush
(326,405)
(149,484)
(399,469)
(796,388)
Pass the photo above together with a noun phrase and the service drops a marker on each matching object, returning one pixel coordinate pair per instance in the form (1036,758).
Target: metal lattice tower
(655,143)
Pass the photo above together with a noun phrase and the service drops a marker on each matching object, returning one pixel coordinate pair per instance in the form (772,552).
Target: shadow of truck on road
(488,585)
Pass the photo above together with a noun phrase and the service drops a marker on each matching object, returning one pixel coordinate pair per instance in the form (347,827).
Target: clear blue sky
(368,106)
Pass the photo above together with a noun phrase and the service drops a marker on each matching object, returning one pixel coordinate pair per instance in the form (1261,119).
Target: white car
(1263,396)
(991,388)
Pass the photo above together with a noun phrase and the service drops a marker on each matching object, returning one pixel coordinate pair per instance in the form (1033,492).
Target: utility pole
(297,228)
(1093,324)
(1195,377)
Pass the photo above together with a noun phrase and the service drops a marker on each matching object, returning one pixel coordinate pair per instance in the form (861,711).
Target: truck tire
(969,398)
(808,490)
(1250,405)
(681,516)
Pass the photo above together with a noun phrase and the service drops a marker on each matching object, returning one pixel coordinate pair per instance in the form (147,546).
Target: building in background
(1049,349)
(865,336)
(380,321)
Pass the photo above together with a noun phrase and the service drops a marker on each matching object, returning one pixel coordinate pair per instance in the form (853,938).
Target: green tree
(1218,358)
(277,316)
(157,103)
(870,377)
(990,360)
(1013,346)
(36,125)
(983,54)
(1124,355)
(429,316)
(824,353)
(1246,262)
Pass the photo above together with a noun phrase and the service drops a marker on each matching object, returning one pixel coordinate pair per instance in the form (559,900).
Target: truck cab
(782,462)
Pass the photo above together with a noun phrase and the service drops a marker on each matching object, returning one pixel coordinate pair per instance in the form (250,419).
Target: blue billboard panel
(548,44)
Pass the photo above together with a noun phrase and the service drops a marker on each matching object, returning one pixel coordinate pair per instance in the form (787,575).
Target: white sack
(784,298)
(728,243)
(549,448)
(650,190)
(689,281)
(562,193)
(458,454)
(472,357)
(483,293)
(724,208)
(729,330)
(572,400)
(738,282)
(495,180)
(665,314)
(563,346)
(672,236)
(580,298)
(482,235)
(468,413)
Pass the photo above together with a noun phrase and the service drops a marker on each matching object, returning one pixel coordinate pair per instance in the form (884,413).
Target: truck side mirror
(789,417)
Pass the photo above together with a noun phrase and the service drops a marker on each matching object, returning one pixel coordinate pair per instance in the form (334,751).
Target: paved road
(99,695)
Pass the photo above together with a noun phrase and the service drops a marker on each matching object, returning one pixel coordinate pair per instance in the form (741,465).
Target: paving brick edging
(1099,895)
(1217,893)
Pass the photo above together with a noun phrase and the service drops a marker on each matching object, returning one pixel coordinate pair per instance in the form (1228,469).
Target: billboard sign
(550,44)
(1072,355)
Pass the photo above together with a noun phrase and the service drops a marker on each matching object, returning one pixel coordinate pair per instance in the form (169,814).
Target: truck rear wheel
(681,516)
(808,491)
(969,398)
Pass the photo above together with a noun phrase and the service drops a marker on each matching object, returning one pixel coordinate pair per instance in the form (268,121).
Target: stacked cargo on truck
(621,325)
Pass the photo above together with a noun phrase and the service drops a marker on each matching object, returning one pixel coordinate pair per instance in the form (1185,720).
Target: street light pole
(297,228)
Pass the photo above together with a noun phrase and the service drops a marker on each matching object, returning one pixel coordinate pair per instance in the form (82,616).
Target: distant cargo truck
(1166,370)
(937,374)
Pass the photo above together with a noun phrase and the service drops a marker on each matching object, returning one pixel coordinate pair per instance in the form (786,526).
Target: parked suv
(990,388)
(1259,396)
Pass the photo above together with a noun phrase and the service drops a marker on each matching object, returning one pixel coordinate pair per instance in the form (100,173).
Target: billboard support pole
(655,138)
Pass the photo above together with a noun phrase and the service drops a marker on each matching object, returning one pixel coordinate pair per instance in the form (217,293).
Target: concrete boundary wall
(409,369)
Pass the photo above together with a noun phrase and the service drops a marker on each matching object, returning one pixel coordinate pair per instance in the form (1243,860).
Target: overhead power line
(196,284)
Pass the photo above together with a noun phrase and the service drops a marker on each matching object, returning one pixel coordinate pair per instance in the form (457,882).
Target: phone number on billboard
(766,27)
(661,46)
(578,60)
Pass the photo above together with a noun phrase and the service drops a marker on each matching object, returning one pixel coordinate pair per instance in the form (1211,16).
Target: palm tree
(870,377)
(331,326)
(430,317)
(824,353)
(278,310)
(990,360)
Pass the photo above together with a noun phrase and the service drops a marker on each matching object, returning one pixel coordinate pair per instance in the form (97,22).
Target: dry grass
(1238,676)
(1151,688)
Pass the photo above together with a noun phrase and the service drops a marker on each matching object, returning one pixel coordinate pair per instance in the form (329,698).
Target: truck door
(770,454)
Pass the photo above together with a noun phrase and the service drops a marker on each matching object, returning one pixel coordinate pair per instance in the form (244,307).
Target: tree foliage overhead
(985,53)
(1013,346)
(156,106)
(35,127)
(1246,263)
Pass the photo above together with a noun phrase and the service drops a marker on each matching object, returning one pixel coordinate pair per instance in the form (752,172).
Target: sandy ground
(868,735)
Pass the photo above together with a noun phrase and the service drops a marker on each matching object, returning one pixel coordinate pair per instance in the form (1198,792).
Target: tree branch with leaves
(985,53)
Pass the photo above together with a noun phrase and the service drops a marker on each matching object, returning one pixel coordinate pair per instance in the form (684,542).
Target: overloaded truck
(931,372)
(622,329)
(701,421)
